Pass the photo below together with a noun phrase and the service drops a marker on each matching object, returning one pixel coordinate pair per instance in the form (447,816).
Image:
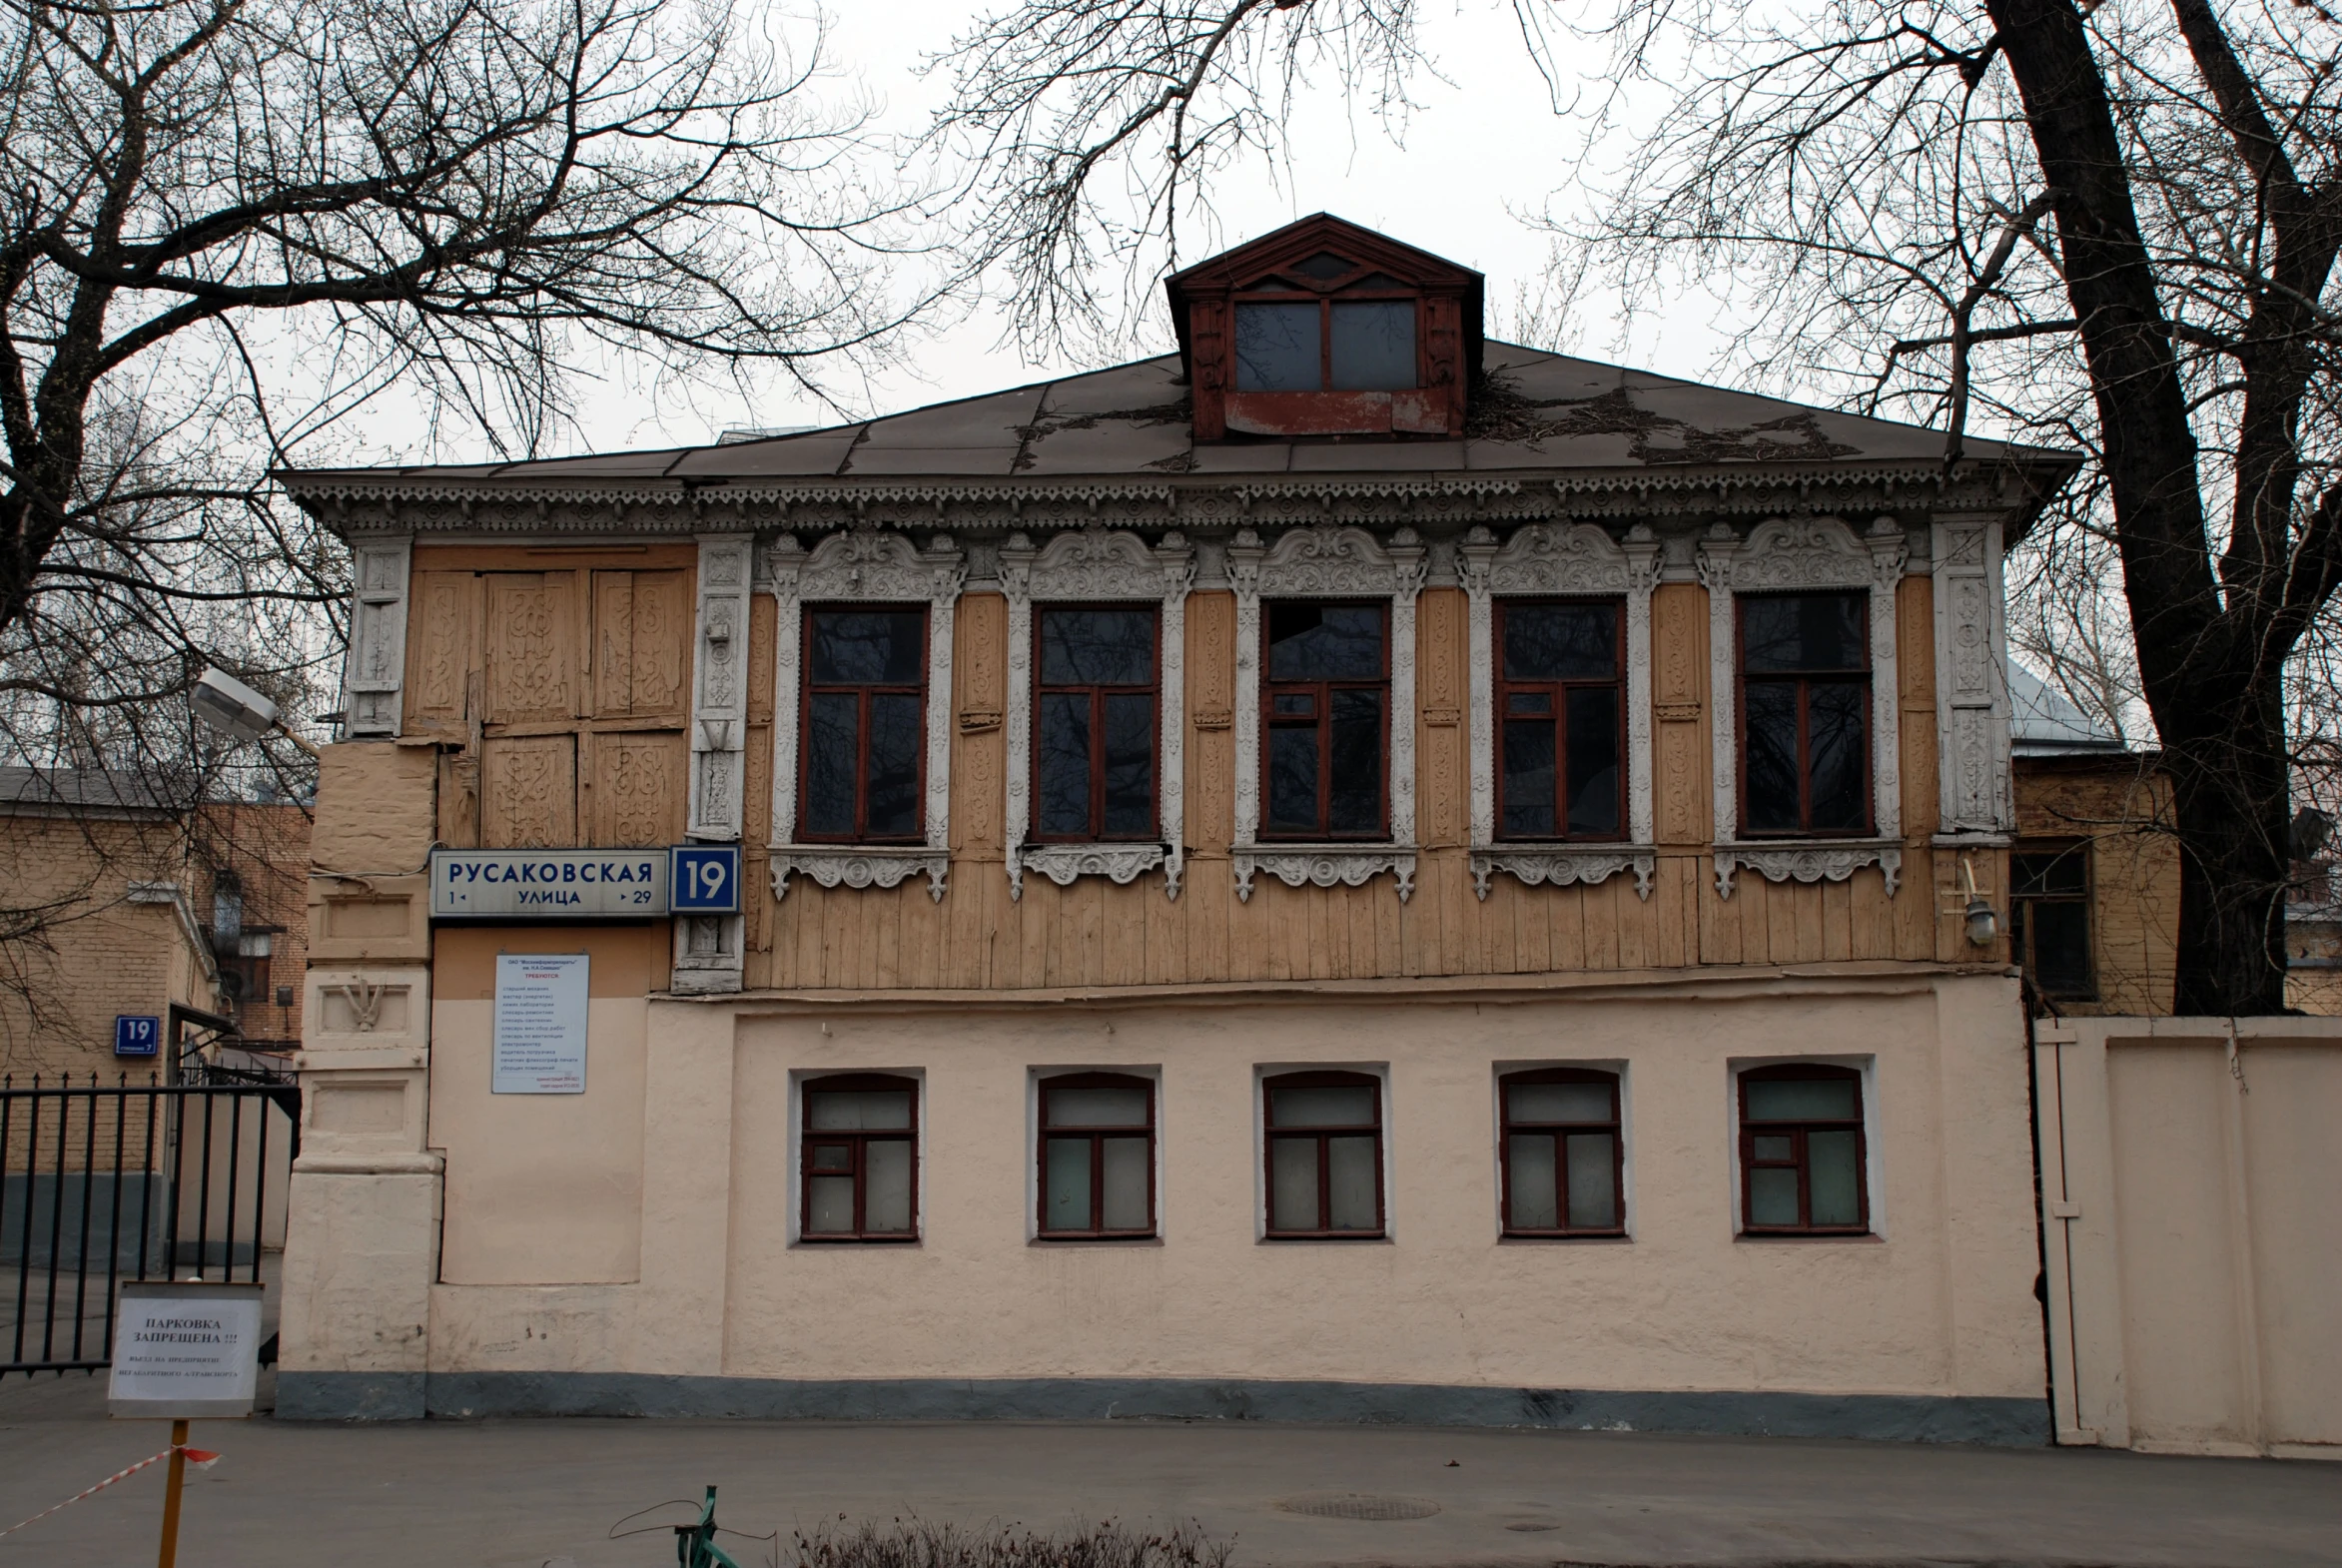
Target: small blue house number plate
(705,879)
(136,1035)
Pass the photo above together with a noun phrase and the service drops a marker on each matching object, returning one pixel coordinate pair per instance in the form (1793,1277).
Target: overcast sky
(1484,149)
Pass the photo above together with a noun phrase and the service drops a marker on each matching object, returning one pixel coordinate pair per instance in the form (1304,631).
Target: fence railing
(104,1183)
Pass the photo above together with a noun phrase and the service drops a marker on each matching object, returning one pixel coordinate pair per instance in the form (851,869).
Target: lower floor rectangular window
(1802,1151)
(1097,1156)
(1324,1136)
(1562,1153)
(861,1158)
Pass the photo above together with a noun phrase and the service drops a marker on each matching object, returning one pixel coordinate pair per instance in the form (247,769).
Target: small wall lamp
(1984,922)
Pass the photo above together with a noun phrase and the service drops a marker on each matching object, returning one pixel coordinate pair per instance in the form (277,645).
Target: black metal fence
(101,1182)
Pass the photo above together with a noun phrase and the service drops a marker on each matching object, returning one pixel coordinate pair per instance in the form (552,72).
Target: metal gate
(109,1183)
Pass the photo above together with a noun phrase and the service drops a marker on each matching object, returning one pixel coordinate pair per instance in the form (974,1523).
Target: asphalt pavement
(537,1492)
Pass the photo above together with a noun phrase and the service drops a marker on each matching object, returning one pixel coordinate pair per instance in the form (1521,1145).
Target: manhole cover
(1359,1505)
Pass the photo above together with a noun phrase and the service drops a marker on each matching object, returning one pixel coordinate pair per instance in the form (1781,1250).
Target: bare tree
(2113,228)
(230,229)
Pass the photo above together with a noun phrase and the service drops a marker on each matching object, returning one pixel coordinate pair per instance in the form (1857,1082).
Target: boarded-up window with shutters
(564,695)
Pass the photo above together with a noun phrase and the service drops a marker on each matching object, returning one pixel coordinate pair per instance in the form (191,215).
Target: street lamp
(229,705)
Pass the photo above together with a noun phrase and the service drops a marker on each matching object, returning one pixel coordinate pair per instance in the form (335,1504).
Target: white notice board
(185,1349)
(541,1024)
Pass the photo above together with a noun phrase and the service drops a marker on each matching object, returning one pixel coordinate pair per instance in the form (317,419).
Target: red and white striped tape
(198,1457)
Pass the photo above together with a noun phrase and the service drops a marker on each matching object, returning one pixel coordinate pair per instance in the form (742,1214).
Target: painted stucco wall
(1939,1303)
(2193,1185)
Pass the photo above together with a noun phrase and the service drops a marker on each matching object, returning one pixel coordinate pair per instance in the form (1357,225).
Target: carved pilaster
(720,709)
(1972,684)
(375,673)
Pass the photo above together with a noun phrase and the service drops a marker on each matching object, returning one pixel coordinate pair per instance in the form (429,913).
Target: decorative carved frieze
(1559,560)
(1324,866)
(1810,861)
(1096,564)
(871,866)
(1561,867)
(861,566)
(1335,563)
(1791,554)
(375,671)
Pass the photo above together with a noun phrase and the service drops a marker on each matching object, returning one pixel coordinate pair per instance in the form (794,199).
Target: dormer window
(1324,328)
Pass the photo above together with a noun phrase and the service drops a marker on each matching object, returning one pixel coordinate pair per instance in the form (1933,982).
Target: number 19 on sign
(705,879)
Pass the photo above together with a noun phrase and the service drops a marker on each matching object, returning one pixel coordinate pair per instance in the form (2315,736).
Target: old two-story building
(1347,872)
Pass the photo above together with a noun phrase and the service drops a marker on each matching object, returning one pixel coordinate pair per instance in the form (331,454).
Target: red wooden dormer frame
(1447,335)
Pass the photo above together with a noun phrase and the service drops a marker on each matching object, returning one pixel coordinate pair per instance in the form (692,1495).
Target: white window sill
(1809,860)
(1323,865)
(1118,863)
(860,865)
(1563,864)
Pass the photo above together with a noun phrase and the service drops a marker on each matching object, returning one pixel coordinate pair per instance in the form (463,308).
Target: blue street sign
(705,879)
(136,1035)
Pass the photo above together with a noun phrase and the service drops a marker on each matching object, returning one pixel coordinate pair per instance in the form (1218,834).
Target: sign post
(183,1350)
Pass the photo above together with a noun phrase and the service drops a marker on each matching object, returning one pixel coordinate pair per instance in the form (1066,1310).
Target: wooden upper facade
(1065,688)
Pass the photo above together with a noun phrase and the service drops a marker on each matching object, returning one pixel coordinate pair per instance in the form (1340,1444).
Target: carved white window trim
(1325,562)
(1790,555)
(374,673)
(862,566)
(1971,702)
(1560,561)
(1092,566)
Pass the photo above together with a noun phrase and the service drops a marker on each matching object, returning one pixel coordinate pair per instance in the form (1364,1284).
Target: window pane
(1531,1191)
(834,1157)
(895,722)
(2062,946)
(1834,1178)
(1292,1184)
(2058,871)
(857,1110)
(1129,763)
(879,647)
(1593,760)
(1528,778)
(1537,703)
(1373,345)
(1782,1146)
(1065,1181)
(1593,1180)
(1293,780)
(1804,1100)
(1806,631)
(832,745)
(1337,1105)
(1324,642)
(1560,641)
(1063,803)
(1125,1183)
(1354,800)
(1836,746)
(1097,647)
(1773,1197)
(1558,1102)
(1096,1106)
(1349,1182)
(1771,727)
(886,1199)
(830,1206)
(1277,347)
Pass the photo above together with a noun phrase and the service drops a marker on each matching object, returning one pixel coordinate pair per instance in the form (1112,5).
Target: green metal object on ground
(695,1544)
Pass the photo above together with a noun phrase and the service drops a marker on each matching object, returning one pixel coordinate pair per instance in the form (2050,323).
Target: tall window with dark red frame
(1563,1162)
(865,724)
(1326,713)
(1805,688)
(1561,712)
(1802,1151)
(1324,1132)
(1094,762)
(1097,1156)
(860,1167)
